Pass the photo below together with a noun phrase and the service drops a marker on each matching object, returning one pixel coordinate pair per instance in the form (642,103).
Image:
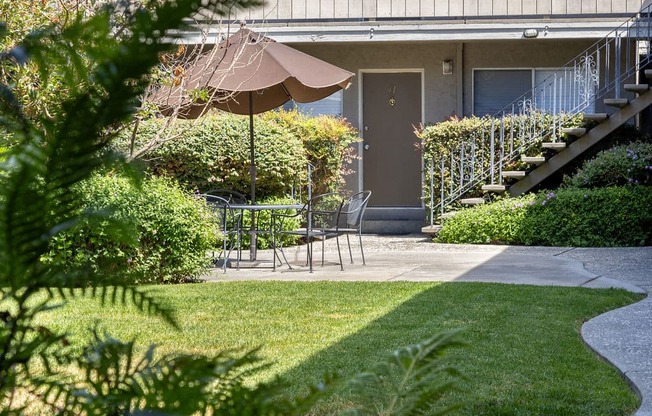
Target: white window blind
(331,106)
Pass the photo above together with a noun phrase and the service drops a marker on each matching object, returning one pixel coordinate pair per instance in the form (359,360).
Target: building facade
(419,61)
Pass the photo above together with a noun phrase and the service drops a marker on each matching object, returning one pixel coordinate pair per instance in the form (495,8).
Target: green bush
(620,165)
(496,223)
(327,142)
(174,231)
(616,216)
(213,152)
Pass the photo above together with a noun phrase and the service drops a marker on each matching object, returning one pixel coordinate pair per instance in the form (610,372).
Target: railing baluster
(511,132)
(442,201)
(492,151)
(432,191)
(617,63)
(502,150)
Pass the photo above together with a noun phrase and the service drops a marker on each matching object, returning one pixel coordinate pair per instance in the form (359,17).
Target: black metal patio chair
(316,217)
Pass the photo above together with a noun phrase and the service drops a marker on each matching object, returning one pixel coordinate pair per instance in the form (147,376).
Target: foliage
(440,139)
(474,135)
(410,381)
(39,200)
(616,216)
(497,223)
(215,152)
(621,165)
(174,231)
(327,142)
(40,96)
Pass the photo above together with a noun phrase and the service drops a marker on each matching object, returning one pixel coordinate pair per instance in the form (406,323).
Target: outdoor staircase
(586,140)
(470,173)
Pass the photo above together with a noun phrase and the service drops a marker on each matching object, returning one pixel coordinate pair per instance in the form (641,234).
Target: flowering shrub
(616,216)
(629,164)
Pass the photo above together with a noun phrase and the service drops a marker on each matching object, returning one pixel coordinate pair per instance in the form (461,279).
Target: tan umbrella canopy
(249,73)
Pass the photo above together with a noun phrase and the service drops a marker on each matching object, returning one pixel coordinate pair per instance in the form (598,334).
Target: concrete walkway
(623,337)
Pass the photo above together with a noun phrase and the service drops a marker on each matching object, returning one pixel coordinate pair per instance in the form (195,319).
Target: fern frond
(411,381)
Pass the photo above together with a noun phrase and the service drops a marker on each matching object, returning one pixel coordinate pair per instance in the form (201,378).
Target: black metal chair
(349,221)
(316,217)
(235,217)
(230,222)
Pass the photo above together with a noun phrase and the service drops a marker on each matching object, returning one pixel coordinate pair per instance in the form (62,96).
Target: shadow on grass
(525,355)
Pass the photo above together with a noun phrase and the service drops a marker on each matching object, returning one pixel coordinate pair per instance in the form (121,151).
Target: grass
(525,354)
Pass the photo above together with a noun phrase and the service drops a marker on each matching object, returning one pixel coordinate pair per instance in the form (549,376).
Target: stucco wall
(529,53)
(444,95)
(440,98)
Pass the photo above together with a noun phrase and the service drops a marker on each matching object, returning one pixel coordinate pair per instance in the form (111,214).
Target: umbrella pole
(252,174)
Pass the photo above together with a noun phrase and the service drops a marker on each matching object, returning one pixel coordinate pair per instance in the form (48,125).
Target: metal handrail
(541,113)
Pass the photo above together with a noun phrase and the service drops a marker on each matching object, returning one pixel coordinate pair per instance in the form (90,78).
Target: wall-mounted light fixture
(447,67)
(530,33)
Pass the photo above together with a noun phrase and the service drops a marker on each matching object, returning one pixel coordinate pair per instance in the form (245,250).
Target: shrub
(214,152)
(603,217)
(620,165)
(616,216)
(327,142)
(174,231)
(496,223)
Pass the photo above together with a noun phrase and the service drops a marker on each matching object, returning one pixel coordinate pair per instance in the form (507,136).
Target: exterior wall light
(530,33)
(447,67)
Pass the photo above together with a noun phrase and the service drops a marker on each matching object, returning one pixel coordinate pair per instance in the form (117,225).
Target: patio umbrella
(249,73)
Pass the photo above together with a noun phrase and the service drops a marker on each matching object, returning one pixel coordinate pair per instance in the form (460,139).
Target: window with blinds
(550,90)
(331,106)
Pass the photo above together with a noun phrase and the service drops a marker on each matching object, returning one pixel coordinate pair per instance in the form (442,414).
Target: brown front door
(391,156)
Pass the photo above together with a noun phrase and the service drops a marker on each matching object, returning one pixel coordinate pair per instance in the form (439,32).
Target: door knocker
(392,92)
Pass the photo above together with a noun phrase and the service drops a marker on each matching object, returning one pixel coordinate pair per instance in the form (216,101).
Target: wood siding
(288,10)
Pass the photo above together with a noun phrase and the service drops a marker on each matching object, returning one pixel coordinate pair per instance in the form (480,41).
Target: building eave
(418,32)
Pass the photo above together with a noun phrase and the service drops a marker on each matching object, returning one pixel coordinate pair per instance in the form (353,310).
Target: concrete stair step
(472,201)
(431,229)
(574,131)
(393,220)
(514,174)
(494,188)
(557,146)
(596,116)
(616,102)
(533,160)
(648,73)
(637,88)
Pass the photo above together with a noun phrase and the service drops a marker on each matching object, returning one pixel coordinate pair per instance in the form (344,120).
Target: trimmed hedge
(615,216)
(213,152)
(174,231)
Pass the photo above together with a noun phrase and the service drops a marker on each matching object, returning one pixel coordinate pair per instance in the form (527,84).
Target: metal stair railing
(576,88)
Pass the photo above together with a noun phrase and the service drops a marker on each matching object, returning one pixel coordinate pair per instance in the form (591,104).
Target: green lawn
(525,354)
